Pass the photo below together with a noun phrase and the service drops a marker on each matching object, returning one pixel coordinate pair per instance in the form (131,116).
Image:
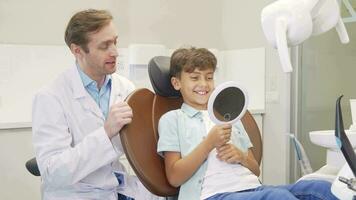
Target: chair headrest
(158,71)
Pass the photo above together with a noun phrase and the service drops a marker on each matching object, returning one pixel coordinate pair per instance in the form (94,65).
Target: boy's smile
(195,87)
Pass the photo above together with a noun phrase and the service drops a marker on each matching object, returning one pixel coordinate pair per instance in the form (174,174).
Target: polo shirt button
(200,181)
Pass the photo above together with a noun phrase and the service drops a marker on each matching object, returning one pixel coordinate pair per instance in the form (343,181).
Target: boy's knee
(315,184)
(278,193)
(317,188)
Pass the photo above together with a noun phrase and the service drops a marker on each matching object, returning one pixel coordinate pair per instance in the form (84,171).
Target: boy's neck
(202,108)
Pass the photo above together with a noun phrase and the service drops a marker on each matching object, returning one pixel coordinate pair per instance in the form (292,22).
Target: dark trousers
(123,197)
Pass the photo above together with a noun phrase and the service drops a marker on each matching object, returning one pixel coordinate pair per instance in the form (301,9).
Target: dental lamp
(290,22)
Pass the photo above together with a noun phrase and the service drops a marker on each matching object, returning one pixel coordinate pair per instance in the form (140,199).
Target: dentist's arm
(60,160)
(180,169)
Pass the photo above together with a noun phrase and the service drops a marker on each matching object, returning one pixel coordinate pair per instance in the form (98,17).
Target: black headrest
(32,167)
(158,71)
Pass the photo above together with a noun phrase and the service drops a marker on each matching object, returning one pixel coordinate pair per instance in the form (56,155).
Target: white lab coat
(75,156)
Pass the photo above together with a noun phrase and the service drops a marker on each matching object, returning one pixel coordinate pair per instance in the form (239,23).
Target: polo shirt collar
(190,111)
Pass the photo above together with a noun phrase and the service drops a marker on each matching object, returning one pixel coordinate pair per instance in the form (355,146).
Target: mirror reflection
(229,104)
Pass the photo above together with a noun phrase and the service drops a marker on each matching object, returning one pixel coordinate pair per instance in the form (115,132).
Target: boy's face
(195,87)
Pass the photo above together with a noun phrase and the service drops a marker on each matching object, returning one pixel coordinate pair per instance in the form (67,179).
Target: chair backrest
(139,138)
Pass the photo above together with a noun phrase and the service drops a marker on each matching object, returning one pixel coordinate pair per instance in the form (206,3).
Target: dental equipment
(290,22)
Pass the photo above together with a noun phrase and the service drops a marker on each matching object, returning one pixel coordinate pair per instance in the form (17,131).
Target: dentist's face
(195,87)
(101,58)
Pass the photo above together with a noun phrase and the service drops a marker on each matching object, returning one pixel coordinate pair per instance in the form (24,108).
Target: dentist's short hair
(188,59)
(83,23)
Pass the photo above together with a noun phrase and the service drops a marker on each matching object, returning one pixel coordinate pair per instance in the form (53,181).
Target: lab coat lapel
(115,95)
(81,95)
(89,104)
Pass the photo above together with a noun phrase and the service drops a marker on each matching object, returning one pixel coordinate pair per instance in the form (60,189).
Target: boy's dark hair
(83,23)
(188,59)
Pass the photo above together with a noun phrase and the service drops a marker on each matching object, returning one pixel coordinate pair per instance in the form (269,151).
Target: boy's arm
(180,169)
(231,154)
(251,163)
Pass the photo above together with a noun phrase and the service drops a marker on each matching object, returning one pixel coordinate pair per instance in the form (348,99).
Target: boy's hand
(219,135)
(230,154)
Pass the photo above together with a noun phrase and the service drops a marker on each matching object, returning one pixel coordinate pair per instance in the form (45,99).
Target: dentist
(77,119)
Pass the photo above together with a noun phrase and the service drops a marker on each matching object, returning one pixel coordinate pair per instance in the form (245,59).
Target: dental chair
(32,167)
(139,138)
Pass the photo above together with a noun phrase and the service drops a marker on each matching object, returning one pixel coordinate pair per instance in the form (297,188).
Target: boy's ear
(176,83)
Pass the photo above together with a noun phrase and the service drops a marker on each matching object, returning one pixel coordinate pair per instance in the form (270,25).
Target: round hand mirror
(227,103)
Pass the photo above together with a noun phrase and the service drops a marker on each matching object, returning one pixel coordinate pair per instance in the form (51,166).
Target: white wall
(15,149)
(171,23)
(227,24)
(40,21)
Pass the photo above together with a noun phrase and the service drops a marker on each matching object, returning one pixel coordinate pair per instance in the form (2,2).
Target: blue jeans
(305,190)
(123,197)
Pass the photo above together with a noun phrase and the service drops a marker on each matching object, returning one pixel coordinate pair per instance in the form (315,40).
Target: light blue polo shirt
(182,130)
(102,96)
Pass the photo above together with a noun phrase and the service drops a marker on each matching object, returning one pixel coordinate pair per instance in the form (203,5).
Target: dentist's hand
(119,115)
(219,135)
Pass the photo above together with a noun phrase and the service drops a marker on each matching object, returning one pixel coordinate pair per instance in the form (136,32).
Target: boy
(212,161)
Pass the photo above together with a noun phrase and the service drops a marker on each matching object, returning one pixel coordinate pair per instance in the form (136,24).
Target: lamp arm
(342,32)
(282,46)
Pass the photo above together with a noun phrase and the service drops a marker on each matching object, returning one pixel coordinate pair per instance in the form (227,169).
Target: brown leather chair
(140,137)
